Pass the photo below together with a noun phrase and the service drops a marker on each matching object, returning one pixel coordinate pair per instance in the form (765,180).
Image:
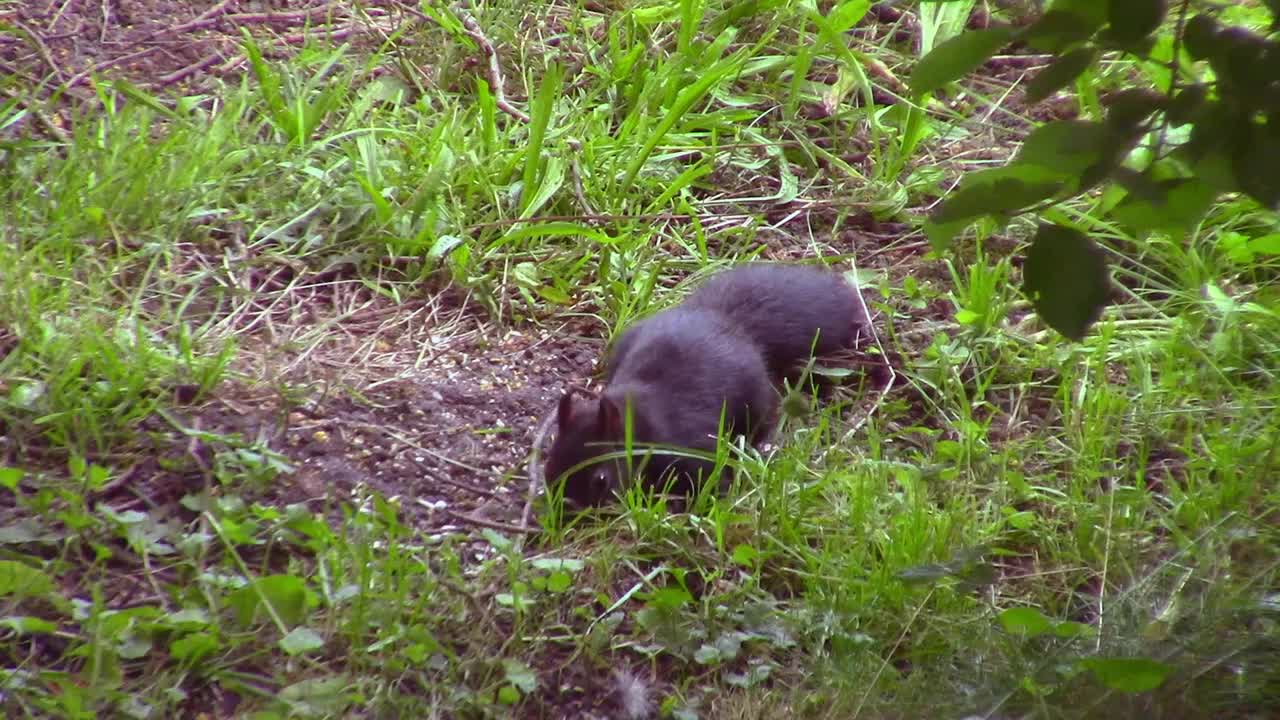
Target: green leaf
(193,647)
(1069,630)
(559,581)
(520,675)
(956,57)
(922,574)
(1060,29)
(10,477)
(508,695)
(1254,161)
(1200,37)
(1176,208)
(941,234)
(301,640)
(1090,11)
(846,14)
(27,625)
(22,581)
(1065,276)
(1133,20)
(286,594)
(540,113)
(27,394)
(1061,72)
(570,565)
(132,646)
(28,530)
(745,555)
(707,655)
(1021,520)
(1131,675)
(996,192)
(1187,105)
(1267,244)
(1025,621)
(1067,147)
(320,696)
(1131,107)
(668,598)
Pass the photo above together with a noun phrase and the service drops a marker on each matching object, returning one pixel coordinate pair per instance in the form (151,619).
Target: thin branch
(536,480)
(491,524)
(41,48)
(496,83)
(205,18)
(58,133)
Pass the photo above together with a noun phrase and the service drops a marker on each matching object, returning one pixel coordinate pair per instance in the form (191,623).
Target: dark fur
(725,346)
(682,368)
(783,308)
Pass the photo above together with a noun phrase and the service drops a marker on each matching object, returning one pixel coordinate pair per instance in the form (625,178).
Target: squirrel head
(586,428)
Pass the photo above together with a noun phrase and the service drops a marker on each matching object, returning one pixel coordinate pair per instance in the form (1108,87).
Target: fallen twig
(491,524)
(536,480)
(888,383)
(41,48)
(80,76)
(202,20)
(181,74)
(58,133)
(496,83)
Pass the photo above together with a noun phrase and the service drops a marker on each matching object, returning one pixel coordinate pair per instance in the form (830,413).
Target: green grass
(1022,527)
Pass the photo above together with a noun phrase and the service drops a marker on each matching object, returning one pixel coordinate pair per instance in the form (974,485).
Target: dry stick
(245,18)
(58,15)
(472,28)
(535,469)
(491,524)
(106,20)
(439,456)
(80,76)
(58,133)
(893,377)
(214,15)
(575,168)
(208,16)
(41,48)
(341,33)
(283,17)
(416,13)
(588,218)
(183,73)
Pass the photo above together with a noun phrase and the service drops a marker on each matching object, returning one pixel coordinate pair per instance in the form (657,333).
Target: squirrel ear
(610,416)
(564,413)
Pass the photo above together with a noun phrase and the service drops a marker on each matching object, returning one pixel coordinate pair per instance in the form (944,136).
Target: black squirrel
(706,366)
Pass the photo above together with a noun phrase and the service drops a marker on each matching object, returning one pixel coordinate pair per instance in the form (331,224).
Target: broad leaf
(1060,73)
(998,191)
(1131,675)
(301,640)
(1068,147)
(1058,30)
(1025,621)
(285,593)
(1176,208)
(1132,20)
(20,580)
(1066,278)
(956,57)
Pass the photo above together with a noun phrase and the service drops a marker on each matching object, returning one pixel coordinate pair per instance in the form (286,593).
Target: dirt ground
(441,415)
(173,44)
(426,401)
